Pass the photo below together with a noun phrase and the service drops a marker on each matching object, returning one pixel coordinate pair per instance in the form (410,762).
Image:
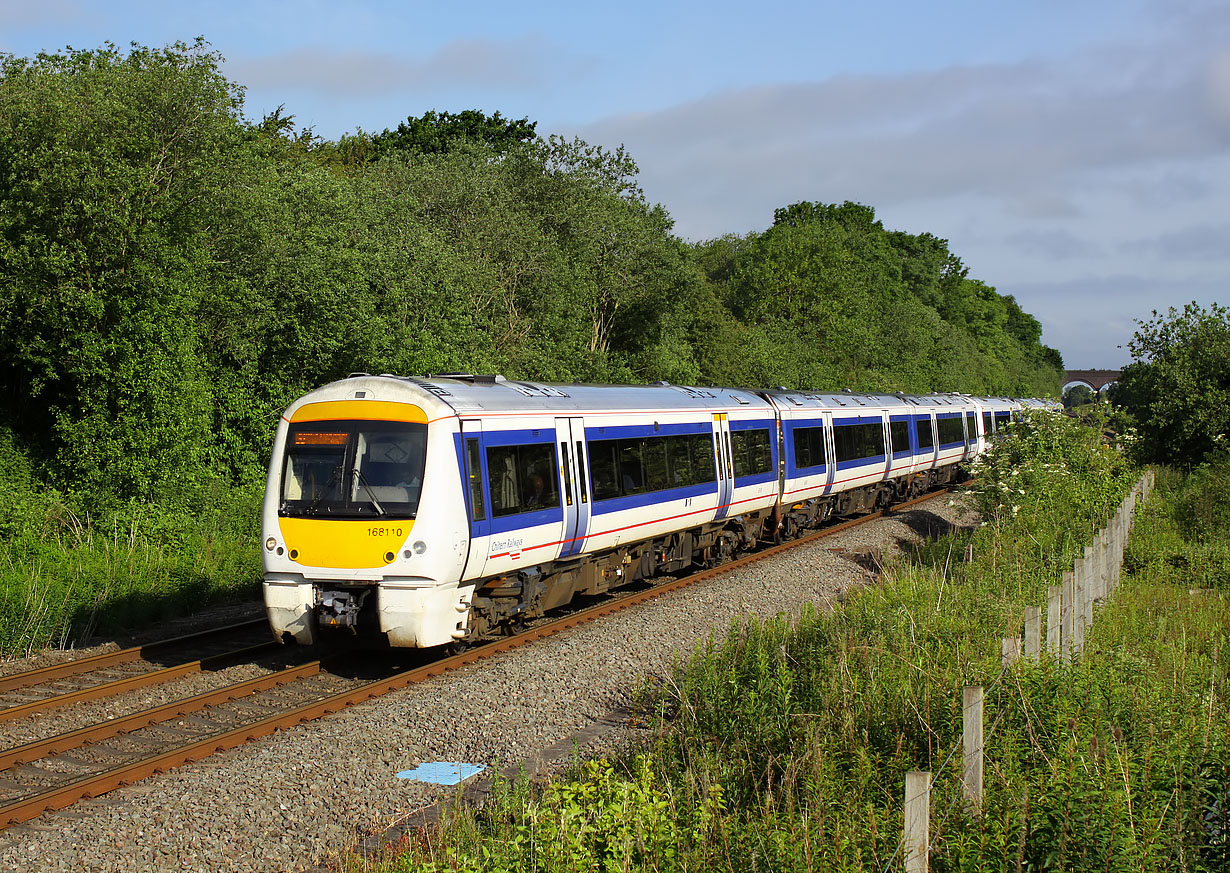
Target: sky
(1074,153)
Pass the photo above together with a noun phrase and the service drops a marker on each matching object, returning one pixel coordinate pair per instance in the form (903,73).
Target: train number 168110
(384,532)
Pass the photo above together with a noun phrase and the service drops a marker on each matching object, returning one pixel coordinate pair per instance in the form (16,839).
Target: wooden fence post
(917,834)
(1116,550)
(1078,607)
(1087,594)
(1103,562)
(971,736)
(1054,608)
(1033,632)
(1010,650)
(1067,615)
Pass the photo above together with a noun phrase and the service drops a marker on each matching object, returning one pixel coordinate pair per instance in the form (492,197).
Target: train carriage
(419,512)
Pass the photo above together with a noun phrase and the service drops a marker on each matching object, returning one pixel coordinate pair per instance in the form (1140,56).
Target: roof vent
(357,375)
(489,379)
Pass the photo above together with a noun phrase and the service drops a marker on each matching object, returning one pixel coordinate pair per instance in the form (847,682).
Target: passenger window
(899,433)
(808,447)
(640,465)
(704,462)
(752,454)
(852,442)
(631,467)
(522,478)
(654,455)
(604,469)
(679,456)
(926,441)
(950,430)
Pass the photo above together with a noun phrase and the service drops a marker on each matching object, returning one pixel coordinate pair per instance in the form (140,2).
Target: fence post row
(1093,578)
(1069,610)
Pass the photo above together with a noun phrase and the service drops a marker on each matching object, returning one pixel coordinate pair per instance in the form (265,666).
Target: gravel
(303,796)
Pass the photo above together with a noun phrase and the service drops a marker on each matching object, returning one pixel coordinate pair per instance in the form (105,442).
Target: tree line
(173,274)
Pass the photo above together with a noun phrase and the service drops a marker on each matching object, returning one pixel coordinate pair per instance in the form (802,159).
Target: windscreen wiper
(362,480)
(334,477)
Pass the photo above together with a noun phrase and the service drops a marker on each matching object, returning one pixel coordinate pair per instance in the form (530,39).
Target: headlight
(270,543)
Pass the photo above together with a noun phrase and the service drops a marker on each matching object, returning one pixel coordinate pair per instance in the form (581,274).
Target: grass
(67,575)
(783,745)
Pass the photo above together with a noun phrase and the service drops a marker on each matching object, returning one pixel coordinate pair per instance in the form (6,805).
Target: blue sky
(1074,154)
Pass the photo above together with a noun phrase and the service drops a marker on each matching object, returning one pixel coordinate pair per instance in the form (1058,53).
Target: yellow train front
(346,545)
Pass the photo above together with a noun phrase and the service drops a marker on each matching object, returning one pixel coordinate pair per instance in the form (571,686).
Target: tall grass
(783,745)
(67,573)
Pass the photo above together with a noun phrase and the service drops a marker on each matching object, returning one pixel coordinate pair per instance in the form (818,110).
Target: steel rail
(43,675)
(141,680)
(166,712)
(98,784)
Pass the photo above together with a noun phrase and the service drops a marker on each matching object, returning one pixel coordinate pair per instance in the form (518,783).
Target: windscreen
(353,469)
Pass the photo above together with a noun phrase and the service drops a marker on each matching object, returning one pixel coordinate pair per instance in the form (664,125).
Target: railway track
(54,773)
(84,679)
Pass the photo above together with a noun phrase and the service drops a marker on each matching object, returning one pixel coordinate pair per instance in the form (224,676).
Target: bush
(1177,389)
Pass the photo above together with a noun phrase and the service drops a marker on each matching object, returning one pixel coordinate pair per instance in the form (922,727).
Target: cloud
(1217,84)
(521,64)
(1205,242)
(1091,319)
(1171,188)
(1056,245)
(1022,133)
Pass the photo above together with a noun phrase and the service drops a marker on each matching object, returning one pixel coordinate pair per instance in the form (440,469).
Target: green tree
(1177,388)
(1078,395)
(105,158)
(849,304)
(435,132)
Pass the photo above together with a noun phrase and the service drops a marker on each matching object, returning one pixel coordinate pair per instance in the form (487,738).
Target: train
(433,511)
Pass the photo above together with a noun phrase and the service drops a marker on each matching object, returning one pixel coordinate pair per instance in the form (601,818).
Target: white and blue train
(426,511)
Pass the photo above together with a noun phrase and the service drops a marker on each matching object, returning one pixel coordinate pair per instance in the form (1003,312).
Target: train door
(574,477)
(888,443)
(830,452)
(725,469)
(476,505)
(781,455)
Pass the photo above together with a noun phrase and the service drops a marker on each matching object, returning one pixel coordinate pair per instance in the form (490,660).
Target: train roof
(467,394)
(471,394)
